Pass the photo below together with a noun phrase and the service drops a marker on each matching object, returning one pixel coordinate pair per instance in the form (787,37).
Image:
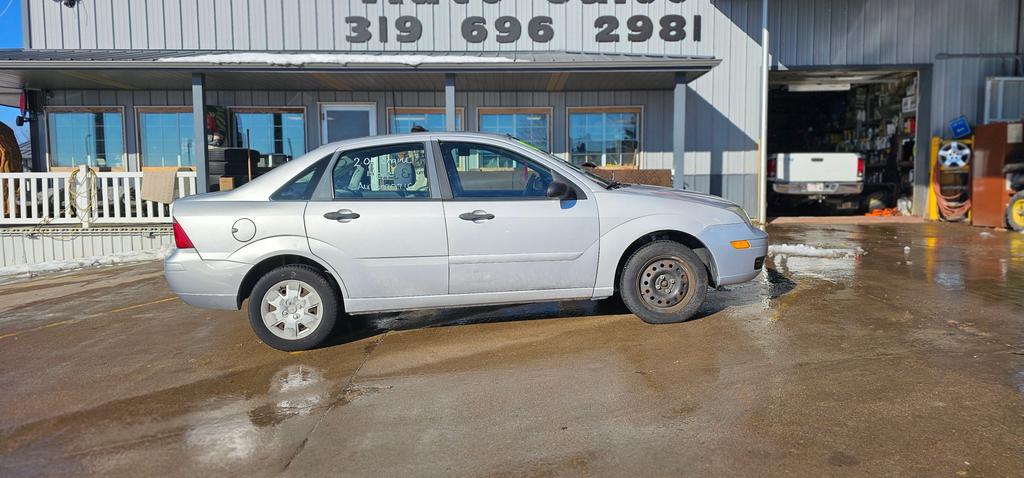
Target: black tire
(1015,212)
(1013,168)
(304,274)
(876,200)
(215,168)
(651,284)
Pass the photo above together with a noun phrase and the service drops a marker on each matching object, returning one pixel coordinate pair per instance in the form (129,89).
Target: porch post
(199,130)
(679,130)
(36,134)
(449,102)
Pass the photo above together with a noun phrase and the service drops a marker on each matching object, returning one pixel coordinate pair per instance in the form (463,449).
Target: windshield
(604,183)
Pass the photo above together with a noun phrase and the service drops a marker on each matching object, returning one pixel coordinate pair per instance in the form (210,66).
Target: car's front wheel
(663,282)
(292,308)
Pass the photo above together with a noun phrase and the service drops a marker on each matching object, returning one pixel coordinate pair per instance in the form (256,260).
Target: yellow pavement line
(71,321)
(136,306)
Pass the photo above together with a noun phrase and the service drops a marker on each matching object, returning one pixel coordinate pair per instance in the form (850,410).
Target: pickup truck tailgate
(816,167)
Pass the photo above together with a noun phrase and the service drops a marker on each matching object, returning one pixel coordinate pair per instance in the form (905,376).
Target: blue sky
(10,37)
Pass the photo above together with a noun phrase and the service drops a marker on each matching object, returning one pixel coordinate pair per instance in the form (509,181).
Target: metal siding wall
(320,25)
(959,89)
(876,32)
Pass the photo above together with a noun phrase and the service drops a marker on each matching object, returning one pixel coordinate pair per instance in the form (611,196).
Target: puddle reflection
(237,428)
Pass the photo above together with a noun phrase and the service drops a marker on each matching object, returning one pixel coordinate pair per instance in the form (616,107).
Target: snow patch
(31,270)
(803,250)
(300,59)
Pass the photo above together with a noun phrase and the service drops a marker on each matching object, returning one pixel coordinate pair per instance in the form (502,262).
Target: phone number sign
(670,27)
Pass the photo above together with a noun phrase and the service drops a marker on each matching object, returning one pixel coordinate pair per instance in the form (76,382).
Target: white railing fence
(109,198)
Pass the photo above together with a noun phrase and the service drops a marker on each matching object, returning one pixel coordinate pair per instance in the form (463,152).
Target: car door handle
(478,215)
(342,215)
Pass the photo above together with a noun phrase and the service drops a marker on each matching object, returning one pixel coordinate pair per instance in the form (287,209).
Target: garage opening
(841,142)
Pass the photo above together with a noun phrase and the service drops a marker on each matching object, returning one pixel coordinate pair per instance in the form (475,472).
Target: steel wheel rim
(664,283)
(292,309)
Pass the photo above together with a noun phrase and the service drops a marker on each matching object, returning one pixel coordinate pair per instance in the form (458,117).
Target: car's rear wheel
(663,282)
(293,307)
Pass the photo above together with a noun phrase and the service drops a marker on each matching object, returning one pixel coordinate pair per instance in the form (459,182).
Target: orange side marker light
(740,244)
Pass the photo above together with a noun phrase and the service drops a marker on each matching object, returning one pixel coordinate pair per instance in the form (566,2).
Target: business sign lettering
(540,29)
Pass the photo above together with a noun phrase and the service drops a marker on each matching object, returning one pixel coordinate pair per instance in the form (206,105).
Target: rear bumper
(734,266)
(811,189)
(207,284)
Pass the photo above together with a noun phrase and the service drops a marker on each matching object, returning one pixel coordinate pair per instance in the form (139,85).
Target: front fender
(615,242)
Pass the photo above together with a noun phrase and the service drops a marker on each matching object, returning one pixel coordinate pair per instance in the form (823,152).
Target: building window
(278,134)
(531,125)
(403,120)
(606,137)
(89,136)
(166,138)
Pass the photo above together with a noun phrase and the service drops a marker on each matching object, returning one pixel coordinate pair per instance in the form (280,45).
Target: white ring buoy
(954,155)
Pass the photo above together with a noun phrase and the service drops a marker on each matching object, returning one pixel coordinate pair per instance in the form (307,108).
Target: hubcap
(292,309)
(664,282)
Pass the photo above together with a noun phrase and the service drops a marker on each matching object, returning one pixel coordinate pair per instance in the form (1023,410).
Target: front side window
(279,135)
(606,137)
(94,138)
(382,172)
(517,178)
(528,125)
(167,139)
(406,120)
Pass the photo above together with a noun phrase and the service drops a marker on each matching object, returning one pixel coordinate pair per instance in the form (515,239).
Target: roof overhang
(362,71)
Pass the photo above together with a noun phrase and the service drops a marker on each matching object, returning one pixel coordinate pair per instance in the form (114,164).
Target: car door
(378,220)
(505,234)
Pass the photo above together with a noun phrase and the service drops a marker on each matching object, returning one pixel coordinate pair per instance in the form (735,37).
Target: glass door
(346,121)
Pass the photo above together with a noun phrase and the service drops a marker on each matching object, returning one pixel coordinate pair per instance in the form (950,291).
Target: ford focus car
(433,220)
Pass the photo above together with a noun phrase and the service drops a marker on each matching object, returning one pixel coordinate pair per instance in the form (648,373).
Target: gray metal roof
(523,61)
(419,71)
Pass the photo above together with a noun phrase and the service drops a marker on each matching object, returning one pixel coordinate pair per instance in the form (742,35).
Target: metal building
(651,84)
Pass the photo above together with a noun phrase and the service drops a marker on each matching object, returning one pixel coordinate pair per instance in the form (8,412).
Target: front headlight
(741,213)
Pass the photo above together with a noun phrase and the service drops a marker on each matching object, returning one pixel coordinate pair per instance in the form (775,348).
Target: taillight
(772,165)
(181,240)
(860,168)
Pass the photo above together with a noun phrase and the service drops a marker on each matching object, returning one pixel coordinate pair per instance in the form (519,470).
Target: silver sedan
(431,220)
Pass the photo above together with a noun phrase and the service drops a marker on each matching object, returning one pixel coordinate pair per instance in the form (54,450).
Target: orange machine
(994,146)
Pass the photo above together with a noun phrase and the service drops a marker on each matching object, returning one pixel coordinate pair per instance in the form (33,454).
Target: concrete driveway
(869,359)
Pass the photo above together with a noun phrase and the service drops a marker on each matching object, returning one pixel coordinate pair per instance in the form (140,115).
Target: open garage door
(841,142)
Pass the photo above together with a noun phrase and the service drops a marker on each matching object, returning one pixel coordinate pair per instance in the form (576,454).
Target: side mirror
(560,190)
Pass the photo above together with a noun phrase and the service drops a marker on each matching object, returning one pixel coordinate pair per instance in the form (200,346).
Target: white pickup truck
(831,179)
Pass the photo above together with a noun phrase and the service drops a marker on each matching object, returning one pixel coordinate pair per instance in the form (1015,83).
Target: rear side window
(383,172)
(302,186)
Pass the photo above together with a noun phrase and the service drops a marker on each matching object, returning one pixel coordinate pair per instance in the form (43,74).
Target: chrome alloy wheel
(292,309)
(665,282)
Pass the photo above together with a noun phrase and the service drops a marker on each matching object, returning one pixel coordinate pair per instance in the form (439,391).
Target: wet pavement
(887,350)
